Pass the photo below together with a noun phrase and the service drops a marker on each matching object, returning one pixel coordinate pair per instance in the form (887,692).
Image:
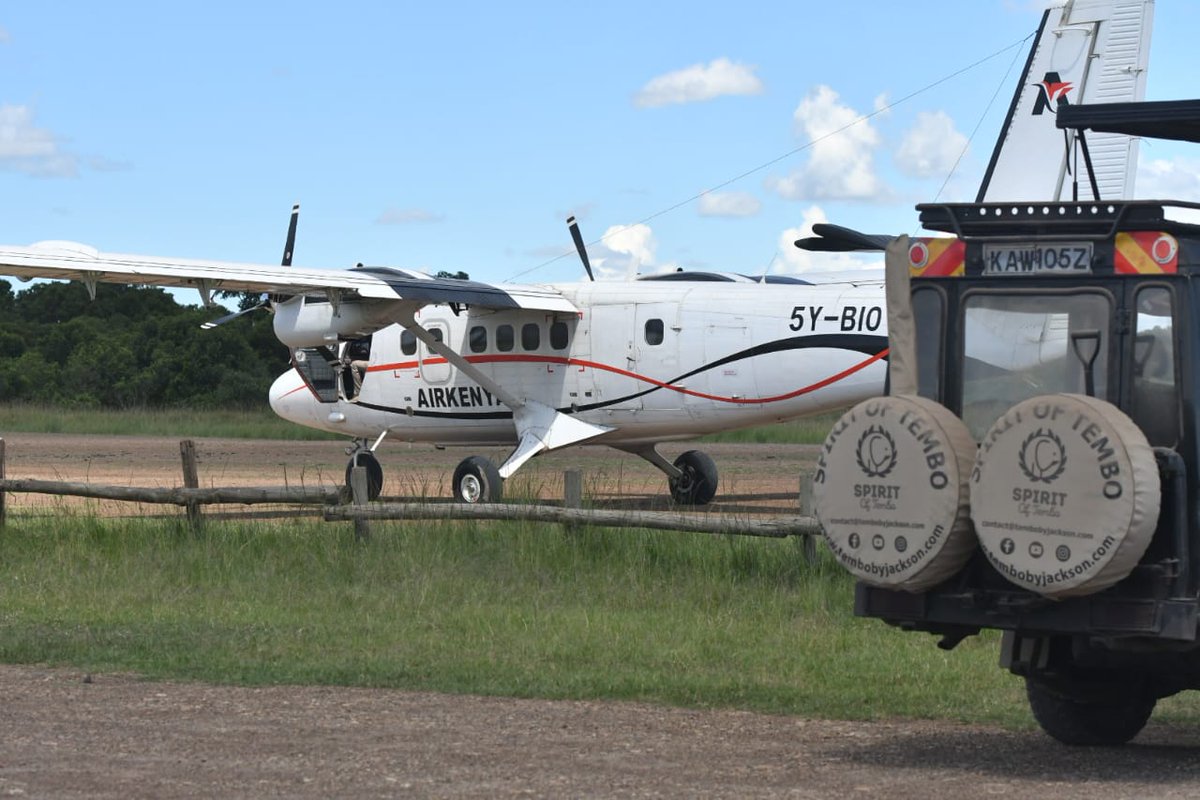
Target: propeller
(578,238)
(266,301)
(838,239)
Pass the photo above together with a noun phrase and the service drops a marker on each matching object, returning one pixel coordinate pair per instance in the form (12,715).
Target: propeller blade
(578,238)
(290,244)
(208,326)
(837,239)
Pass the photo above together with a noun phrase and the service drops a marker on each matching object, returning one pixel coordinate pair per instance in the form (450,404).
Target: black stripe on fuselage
(868,345)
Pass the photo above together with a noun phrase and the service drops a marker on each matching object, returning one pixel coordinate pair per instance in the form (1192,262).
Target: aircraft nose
(291,399)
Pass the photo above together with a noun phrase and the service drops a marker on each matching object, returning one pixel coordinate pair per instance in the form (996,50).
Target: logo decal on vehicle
(876,453)
(1042,456)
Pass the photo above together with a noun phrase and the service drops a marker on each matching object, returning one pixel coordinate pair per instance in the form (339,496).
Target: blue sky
(448,136)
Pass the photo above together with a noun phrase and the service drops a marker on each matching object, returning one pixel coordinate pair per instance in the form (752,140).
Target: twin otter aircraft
(380,352)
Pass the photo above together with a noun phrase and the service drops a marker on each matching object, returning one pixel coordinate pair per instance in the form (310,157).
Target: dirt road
(116,737)
(753,478)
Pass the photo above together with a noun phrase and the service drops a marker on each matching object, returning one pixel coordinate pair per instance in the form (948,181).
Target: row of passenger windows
(531,337)
(505,338)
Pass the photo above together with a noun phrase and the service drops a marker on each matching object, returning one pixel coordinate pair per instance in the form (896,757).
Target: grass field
(262,423)
(231,423)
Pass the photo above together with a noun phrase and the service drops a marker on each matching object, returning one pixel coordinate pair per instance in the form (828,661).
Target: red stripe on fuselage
(575,362)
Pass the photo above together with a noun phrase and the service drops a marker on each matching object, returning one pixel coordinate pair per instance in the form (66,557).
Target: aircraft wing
(71,261)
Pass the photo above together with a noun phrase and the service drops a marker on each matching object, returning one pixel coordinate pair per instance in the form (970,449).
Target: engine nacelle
(314,321)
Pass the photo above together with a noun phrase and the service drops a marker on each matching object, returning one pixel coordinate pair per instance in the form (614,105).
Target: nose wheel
(476,480)
(367,460)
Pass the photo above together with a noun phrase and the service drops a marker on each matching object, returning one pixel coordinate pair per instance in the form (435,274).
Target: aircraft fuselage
(655,361)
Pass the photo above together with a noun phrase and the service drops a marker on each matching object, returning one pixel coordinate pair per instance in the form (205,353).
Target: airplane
(380,352)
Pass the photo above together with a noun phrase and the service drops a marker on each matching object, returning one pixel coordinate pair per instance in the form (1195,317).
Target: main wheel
(698,483)
(1109,717)
(367,459)
(476,480)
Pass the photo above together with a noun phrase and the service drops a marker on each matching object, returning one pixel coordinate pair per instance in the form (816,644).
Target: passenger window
(559,335)
(408,343)
(531,336)
(1155,395)
(436,333)
(654,331)
(478,339)
(504,338)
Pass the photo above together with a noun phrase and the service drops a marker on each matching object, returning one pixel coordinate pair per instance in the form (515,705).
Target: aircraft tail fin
(1086,51)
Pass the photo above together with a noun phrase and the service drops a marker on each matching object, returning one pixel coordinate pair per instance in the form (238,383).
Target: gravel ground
(64,734)
(68,735)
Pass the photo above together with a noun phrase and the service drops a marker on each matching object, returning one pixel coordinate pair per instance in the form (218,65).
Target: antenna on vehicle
(579,246)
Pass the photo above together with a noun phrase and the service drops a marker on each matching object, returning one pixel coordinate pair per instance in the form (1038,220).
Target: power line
(790,153)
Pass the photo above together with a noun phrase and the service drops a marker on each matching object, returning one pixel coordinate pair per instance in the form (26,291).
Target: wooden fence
(343,506)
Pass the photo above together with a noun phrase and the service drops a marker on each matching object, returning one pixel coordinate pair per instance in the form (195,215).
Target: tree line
(131,347)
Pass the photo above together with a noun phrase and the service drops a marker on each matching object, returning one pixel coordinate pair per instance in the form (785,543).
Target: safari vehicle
(1035,470)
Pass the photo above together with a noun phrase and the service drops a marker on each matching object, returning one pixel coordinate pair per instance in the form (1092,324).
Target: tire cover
(891,492)
(1065,495)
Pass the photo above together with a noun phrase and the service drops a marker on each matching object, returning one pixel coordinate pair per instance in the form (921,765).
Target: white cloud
(697,83)
(931,147)
(625,251)
(791,259)
(728,204)
(1177,178)
(1174,178)
(29,149)
(4,37)
(407,216)
(841,159)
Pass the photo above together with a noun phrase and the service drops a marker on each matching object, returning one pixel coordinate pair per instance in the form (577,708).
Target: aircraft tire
(1111,718)
(367,459)
(698,484)
(476,480)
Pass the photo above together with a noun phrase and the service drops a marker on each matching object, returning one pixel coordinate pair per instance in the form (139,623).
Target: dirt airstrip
(66,734)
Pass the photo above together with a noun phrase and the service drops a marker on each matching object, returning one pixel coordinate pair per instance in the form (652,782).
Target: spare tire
(891,492)
(1065,495)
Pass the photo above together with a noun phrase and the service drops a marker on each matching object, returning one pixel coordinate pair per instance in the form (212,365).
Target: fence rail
(361,512)
(777,528)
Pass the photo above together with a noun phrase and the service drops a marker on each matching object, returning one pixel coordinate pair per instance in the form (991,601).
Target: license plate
(1057,258)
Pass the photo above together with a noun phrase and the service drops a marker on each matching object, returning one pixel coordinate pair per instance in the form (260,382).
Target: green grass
(502,609)
(809,430)
(261,423)
(522,610)
(258,423)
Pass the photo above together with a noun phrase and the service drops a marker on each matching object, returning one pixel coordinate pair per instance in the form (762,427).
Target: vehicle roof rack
(1091,220)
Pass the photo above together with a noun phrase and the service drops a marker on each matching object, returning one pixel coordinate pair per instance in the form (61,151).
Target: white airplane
(380,352)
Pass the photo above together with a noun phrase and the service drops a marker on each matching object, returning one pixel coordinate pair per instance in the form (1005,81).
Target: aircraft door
(656,334)
(435,368)
(610,337)
(724,375)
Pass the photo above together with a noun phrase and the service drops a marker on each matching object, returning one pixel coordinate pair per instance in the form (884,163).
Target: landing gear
(1107,715)
(476,480)
(697,483)
(367,459)
(692,478)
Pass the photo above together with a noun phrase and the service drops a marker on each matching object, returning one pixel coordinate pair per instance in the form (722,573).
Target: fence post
(358,491)
(191,480)
(3,509)
(572,494)
(809,546)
